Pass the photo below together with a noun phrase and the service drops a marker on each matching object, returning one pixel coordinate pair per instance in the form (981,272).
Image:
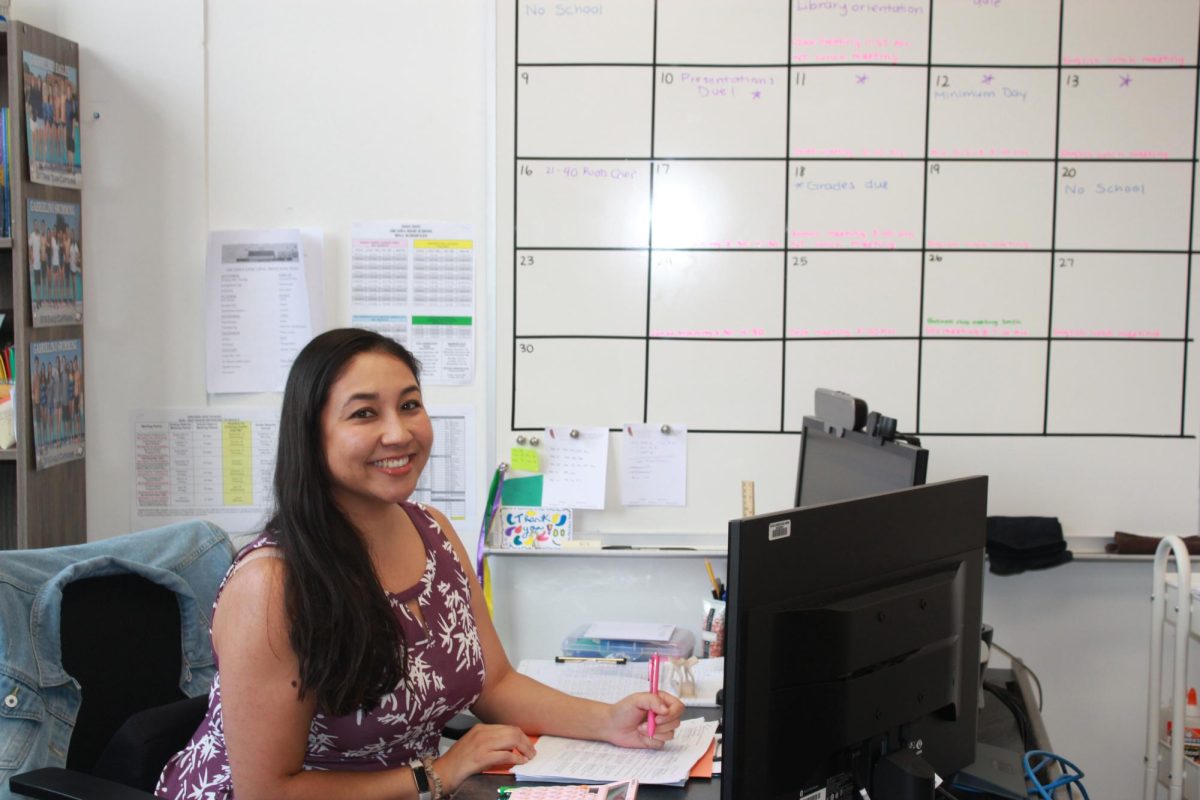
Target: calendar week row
(965,387)
(855,111)
(747,295)
(822,31)
(819,205)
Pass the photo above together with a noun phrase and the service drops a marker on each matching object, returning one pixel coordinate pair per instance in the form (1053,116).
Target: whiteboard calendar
(977,215)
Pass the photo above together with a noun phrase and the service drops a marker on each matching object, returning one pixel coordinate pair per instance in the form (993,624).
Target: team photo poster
(56,386)
(55,263)
(52,121)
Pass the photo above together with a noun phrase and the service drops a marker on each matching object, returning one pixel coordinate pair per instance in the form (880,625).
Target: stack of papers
(608,683)
(560,760)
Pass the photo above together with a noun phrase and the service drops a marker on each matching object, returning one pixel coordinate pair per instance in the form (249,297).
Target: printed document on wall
(415,282)
(448,481)
(263,289)
(219,464)
(215,464)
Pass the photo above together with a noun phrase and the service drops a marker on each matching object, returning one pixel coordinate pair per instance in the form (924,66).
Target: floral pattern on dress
(444,676)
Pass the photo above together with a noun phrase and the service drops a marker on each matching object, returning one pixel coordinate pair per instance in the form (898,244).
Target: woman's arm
(518,700)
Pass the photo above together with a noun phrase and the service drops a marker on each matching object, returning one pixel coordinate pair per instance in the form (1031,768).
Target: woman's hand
(629,717)
(482,747)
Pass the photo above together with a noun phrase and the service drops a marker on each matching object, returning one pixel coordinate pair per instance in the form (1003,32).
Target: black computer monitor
(853,633)
(842,464)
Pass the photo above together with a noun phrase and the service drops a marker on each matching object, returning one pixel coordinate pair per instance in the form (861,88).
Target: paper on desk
(653,465)
(608,683)
(575,467)
(568,760)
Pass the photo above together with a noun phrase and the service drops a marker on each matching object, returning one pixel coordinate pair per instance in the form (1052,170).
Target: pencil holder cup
(712,629)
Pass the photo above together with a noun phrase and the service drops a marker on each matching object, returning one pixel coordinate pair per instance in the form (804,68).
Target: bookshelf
(38,507)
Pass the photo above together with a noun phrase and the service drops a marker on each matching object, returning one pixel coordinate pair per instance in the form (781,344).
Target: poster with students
(51,93)
(55,263)
(56,389)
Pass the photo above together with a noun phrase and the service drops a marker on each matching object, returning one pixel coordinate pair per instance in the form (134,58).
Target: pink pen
(653,690)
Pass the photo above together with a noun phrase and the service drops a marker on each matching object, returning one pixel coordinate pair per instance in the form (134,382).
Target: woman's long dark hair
(350,648)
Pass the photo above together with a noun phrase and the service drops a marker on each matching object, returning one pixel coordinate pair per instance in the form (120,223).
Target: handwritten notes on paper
(575,465)
(653,465)
(567,760)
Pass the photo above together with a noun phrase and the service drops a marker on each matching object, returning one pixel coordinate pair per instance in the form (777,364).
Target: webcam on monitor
(847,451)
(843,412)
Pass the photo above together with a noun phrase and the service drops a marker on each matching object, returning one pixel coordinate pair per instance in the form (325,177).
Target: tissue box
(531,527)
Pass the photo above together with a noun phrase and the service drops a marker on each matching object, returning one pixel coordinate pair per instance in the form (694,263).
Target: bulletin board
(978,216)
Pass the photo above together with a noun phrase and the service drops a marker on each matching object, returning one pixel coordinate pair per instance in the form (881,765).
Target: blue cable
(1071,774)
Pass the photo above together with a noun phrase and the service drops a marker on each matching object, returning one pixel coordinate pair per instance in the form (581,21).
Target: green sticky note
(524,459)
(525,491)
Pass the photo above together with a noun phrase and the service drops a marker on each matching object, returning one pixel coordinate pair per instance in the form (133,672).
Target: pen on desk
(712,577)
(654,691)
(597,660)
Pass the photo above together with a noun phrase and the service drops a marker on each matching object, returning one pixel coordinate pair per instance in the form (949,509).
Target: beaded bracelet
(433,778)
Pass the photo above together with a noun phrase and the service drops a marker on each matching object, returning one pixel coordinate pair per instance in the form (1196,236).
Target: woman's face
(376,432)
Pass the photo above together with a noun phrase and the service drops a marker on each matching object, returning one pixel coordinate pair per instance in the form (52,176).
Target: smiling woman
(353,629)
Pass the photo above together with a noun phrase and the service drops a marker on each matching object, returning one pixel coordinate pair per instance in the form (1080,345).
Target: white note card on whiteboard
(653,465)
(575,466)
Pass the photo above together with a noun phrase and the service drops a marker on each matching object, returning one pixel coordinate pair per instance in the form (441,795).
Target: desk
(996,726)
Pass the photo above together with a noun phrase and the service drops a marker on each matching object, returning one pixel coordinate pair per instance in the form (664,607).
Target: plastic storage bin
(680,645)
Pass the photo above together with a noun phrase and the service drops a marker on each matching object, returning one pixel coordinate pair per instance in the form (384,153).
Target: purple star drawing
(756,95)
(1125,81)
(988,78)
(860,78)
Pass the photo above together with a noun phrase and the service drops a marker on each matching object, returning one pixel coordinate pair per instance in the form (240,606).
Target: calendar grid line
(834,64)
(947,434)
(924,224)
(819,339)
(1187,295)
(857,159)
(516,100)
(650,227)
(1053,220)
(787,197)
(856,250)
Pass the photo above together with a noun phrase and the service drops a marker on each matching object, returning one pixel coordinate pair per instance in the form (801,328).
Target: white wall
(276,113)
(320,114)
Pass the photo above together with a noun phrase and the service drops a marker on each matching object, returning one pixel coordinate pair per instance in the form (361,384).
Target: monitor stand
(902,775)
(996,770)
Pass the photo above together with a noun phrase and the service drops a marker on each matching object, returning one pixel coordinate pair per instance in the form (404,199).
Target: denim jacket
(38,699)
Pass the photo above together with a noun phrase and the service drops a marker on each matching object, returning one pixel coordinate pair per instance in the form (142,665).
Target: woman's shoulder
(265,539)
(260,558)
(430,518)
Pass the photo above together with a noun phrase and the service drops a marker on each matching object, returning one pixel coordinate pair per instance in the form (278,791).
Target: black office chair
(120,639)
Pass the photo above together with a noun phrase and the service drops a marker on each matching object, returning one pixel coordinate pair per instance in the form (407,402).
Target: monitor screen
(852,635)
(842,465)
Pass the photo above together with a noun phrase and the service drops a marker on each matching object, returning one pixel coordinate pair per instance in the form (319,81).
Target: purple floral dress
(445,676)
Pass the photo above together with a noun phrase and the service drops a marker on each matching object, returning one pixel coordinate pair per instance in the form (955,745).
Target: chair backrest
(121,641)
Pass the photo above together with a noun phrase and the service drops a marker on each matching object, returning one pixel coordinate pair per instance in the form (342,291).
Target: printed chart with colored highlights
(979,216)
